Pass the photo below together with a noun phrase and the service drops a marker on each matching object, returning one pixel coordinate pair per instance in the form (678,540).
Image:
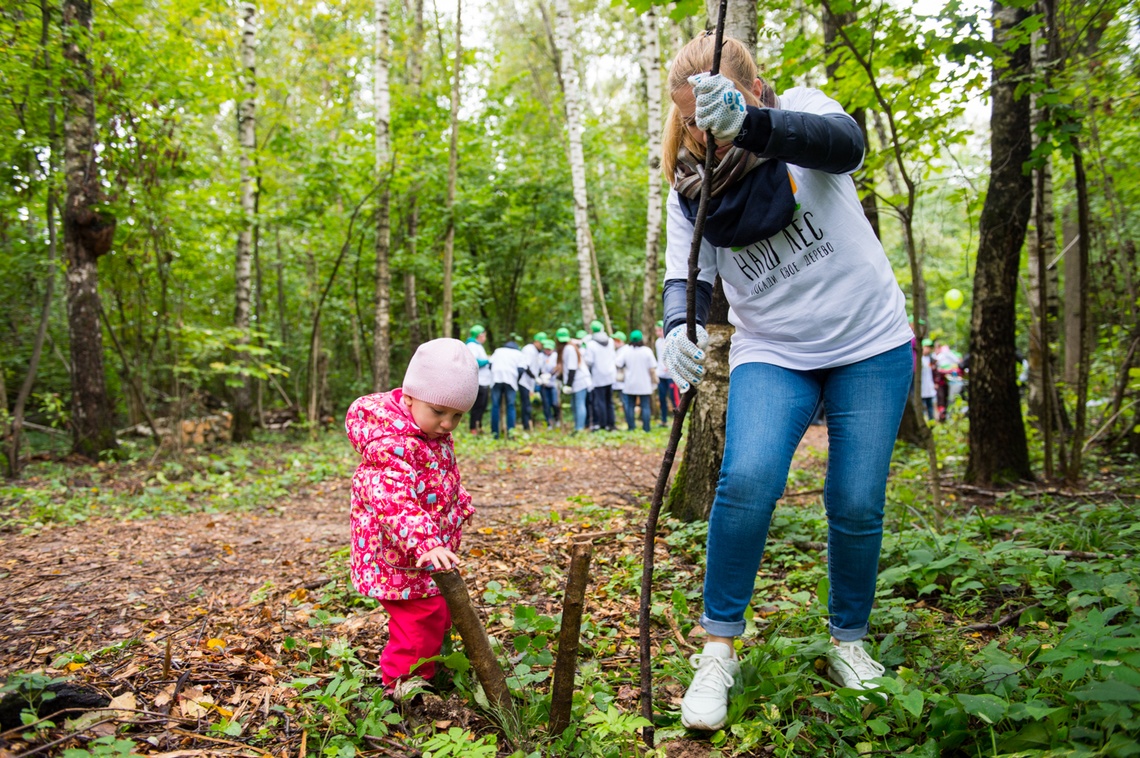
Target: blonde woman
(818,317)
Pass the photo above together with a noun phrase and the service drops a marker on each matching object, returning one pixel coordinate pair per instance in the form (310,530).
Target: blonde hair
(736,62)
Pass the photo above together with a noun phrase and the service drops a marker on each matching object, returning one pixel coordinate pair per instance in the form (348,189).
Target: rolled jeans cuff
(848,635)
(722,628)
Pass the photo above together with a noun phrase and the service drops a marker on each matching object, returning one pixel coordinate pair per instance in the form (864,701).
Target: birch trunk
(26,386)
(415,77)
(247,110)
(452,177)
(998,448)
(87,234)
(381,338)
(740,20)
(651,64)
(564,35)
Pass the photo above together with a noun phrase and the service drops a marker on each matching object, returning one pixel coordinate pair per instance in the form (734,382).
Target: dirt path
(188,617)
(84,587)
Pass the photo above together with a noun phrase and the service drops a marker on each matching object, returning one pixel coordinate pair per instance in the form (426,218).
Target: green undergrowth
(1009,626)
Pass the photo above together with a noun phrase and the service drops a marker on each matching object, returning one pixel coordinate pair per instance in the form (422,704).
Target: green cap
(619,336)
(927,343)
(562,335)
(661,324)
(635,335)
(595,326)
(548,344)
(581,334)
(540,337)
(476,330)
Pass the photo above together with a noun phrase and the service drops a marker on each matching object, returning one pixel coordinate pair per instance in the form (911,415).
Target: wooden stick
(475,641)
(562,690)
(645,647)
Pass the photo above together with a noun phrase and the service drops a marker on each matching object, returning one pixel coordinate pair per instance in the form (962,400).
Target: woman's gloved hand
(684,359)
(720,106)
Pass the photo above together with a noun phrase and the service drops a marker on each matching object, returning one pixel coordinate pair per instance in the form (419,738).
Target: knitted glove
(684,359)
(720,106)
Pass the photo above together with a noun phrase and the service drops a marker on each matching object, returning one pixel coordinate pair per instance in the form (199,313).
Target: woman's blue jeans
(769,409)
(580,409)
(502,394)
(549,400)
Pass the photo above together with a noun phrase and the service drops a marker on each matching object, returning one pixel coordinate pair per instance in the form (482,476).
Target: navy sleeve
(831,143)
(673,296)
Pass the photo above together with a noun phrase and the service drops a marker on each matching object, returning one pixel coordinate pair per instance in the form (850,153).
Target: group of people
(941,378)
(590,369)
(818,317)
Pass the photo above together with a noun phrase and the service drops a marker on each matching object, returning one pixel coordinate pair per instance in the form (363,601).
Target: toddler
(407,502)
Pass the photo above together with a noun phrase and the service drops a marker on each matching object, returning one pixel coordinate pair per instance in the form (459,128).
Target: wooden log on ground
(475,641)
(566,665)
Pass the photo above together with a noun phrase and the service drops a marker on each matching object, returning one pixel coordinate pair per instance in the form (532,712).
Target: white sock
(719,649)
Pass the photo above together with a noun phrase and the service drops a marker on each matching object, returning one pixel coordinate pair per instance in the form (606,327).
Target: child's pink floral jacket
(406,498)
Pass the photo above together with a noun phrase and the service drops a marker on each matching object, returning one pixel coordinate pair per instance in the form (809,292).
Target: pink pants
(415,630)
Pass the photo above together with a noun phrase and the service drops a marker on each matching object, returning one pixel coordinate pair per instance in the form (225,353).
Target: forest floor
(184,617)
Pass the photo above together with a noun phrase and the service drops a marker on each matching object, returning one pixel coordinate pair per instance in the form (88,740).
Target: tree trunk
(415,75)
(1073,475)
(247,109)
(381,339)
(740,21)
(452,177)
(564,36)
(998,448)
(651,64)
(25,391)
(694,488)
(87,234)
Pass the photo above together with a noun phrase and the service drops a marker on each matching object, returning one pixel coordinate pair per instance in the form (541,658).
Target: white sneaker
(705,705)
(849,665)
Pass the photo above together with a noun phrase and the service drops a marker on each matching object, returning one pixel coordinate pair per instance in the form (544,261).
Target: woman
(818,316)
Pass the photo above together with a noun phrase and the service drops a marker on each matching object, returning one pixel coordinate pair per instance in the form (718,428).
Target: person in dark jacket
(818,316)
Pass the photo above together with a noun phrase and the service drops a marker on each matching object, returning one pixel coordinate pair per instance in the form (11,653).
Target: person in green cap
(476,336)
(620,348)
(529,379)
(599,353)
(575,376)
(547,363)
(640,366)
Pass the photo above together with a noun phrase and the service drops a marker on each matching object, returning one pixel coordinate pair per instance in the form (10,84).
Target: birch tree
(381,338)
(452,175)
(571,100)
(88,233)
(247,138)
(415,81)
(651,65)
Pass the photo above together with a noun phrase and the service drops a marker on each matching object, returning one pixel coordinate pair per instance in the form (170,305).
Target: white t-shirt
(530,355)
(659,348)
(480,354)
(505,364)
(546,366)
(639,362)
(570,363)
(818,294)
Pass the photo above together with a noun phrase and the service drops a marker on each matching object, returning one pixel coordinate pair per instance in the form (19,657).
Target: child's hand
(438,558)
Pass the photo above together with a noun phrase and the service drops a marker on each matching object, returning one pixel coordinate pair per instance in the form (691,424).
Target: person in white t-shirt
(507,365)
(621,347)
(599,351)
(639,365)
(666,390)
(818,315)
(476,336)
(575,376)
(926,380)
(547,364)
(528,382)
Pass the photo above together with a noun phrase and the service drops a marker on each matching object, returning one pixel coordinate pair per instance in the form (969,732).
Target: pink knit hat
(443,372)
